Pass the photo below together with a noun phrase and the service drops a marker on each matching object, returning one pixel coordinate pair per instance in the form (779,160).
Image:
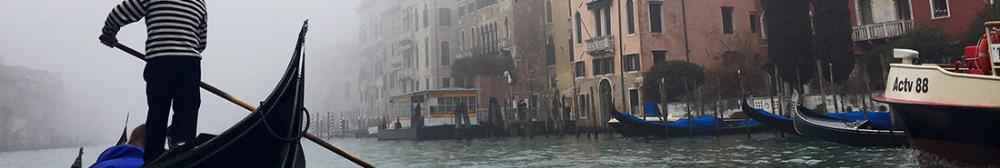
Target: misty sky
(249,44)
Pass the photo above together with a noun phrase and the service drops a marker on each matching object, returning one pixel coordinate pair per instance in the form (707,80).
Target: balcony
(882,30)
(601,44)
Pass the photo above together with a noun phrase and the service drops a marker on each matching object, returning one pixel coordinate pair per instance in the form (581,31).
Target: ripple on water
(764,150)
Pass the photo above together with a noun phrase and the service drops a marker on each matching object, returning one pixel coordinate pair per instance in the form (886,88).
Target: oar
(251,108)
(124,138)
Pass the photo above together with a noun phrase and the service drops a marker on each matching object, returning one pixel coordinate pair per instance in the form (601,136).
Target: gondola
(632,126)
(268,137)
(782,123)
(853,133)
(878,120)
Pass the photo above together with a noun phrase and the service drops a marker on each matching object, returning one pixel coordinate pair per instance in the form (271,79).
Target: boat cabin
(437,106)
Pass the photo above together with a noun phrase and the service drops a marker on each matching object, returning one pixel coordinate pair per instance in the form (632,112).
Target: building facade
(614,42)
(407,46)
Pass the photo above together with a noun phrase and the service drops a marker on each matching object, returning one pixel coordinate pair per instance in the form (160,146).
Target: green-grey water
(762,150)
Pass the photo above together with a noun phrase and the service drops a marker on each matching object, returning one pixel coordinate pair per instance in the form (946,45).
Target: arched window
(630,14)
(445,53)
(579,34)
(548,11)
(426,18)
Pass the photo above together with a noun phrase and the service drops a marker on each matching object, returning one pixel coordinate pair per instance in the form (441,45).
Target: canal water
(762,150)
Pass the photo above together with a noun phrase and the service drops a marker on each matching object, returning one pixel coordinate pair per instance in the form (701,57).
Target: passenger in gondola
(126,155)
(174,47)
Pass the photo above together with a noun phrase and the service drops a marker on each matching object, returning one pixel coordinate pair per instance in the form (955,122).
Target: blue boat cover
(771,115)
(651,109)
(698,123)
(120,156)
(877,119)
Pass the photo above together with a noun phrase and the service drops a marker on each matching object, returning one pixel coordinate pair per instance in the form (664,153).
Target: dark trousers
(171,80)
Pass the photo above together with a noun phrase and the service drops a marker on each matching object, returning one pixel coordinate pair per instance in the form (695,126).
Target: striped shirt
(174,27)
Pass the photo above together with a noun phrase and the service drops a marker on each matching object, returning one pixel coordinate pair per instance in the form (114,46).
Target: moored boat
(782,123)
(632,126)
(949,111)
(878,120)
(437,118)
(268,137)
(859,133)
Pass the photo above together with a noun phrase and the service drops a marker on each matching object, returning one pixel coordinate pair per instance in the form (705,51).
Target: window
(426,20)
(572,58)
(445,53)
(903,10)
(607,20)
(446,82)
(550,51)
(461,10)
(597,23)
(655,17)
(416,20)
(632,63)
(413,57)
(548,11)
(416,55)
(603,66)
(865,8)
(753,23)
(659,56)
(633,98)
(583,105)
(939,9)
(727,20)
(427,83)
(392,77)
(630,15)
(580,70)
(763,26)
(444,17)
(579,35)
(427,52)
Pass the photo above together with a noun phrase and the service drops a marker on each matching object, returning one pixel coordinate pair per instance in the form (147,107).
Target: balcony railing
(600,44)
(882,30)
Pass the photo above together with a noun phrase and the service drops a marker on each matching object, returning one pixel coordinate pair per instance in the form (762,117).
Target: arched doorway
(606,97)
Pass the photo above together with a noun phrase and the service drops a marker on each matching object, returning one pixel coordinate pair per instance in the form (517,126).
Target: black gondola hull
(782,124)
(967,135)
(808,125)
(267,137)
(626,131)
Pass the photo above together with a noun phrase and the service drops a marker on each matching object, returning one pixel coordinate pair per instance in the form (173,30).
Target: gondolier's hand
(108,40)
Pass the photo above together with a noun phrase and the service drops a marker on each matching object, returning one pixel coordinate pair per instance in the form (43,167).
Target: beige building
(407,46)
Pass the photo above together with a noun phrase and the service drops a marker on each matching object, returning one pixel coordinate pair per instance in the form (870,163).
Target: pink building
(615,41)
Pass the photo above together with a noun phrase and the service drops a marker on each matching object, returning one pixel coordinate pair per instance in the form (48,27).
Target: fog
(249,45)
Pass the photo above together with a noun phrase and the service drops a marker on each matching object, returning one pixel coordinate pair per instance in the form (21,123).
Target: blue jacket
(120,156)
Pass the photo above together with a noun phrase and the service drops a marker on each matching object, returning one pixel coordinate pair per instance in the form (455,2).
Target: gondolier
(176,36)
